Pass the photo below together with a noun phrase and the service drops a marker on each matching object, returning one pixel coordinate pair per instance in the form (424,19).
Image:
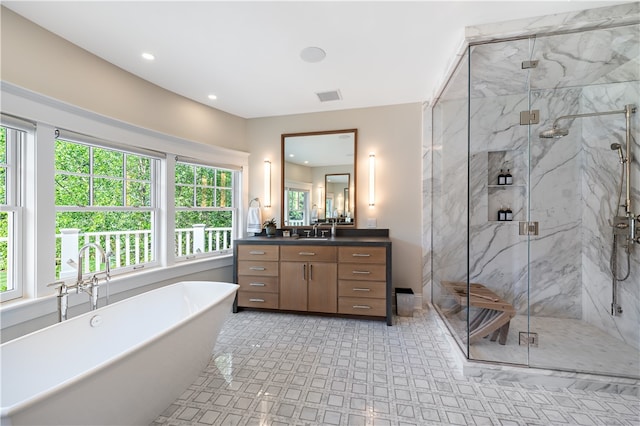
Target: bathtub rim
(7,411)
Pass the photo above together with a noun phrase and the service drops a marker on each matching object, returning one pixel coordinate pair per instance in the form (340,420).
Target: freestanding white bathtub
(122,364)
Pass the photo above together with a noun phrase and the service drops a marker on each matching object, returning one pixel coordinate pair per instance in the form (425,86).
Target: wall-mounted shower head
(618,147)
(555,132)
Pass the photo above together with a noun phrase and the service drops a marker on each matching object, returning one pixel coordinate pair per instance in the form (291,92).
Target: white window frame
(154,208)
(16,140)
(235,182)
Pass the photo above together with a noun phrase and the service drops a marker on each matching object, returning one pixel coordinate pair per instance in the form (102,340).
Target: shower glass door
(522,242)
(498,153)
(574,186)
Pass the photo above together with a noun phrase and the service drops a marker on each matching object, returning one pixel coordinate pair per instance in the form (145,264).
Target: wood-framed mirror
(319,178)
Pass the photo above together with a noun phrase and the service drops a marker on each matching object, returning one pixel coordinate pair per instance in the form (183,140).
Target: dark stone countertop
(337,241)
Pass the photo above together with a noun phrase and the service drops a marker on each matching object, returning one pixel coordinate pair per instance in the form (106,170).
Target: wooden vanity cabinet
(258,276)
(362,285)
(308,278)
(338,277)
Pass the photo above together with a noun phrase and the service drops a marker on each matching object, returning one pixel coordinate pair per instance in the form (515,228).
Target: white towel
(254,220)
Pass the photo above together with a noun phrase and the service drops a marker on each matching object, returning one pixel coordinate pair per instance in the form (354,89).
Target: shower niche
(506,193)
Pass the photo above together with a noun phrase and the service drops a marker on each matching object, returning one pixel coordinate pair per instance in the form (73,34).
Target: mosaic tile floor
(282,369)
(569,344)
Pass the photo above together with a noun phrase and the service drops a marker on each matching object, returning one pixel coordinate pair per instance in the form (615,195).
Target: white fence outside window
(135,247)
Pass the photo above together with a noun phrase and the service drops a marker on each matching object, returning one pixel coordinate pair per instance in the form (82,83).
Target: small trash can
(404,302)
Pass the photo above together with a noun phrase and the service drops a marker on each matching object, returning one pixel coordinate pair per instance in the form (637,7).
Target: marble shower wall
(567,185)
(601,183)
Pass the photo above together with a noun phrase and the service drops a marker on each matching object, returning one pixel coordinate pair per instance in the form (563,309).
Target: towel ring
(256,200)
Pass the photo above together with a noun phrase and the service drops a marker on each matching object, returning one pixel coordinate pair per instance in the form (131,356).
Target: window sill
(17,311)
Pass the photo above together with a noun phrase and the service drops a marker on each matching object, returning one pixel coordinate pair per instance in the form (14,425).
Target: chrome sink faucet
(315,229)
(90,286)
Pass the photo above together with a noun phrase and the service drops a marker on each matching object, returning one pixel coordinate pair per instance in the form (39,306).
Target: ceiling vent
(333,95)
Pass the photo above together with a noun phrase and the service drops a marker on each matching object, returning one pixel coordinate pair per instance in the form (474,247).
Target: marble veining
(568,185)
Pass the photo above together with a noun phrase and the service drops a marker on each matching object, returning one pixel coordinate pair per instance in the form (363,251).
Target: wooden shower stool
(494,315)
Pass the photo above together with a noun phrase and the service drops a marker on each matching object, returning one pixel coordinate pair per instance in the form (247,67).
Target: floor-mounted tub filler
(122,364)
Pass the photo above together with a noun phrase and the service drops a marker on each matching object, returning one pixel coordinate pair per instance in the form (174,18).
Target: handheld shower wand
(618,147)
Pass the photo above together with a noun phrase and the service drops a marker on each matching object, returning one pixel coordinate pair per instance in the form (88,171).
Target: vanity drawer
(366,289)
(362,254)
(364,272)
(251,267)
(308,253)
(263,284)
(257,252)
(362,306)
(250,299)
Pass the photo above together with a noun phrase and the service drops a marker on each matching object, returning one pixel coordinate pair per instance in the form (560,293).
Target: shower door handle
(528,228)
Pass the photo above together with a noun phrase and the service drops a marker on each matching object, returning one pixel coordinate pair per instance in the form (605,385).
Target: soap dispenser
(508,214)
(508,178)
(501,178)
(502,214)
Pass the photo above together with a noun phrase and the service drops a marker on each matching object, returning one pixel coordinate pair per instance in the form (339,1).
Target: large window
(205,209)
(104,196)
(11,141)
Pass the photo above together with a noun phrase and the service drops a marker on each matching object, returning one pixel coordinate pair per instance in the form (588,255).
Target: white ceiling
(248,53)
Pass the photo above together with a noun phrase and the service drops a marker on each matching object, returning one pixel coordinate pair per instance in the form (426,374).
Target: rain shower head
(555,132)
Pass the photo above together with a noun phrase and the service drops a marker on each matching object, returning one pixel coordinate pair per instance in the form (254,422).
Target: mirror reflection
(318,178)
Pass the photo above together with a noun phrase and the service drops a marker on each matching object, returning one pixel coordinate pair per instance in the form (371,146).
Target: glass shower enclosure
(534,261)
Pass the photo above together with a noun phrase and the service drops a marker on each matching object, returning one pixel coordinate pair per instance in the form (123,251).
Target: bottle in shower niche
(508,178)
(508,214)
(502,178)
(502,214)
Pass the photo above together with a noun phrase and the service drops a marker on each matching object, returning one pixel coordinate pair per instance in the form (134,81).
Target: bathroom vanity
(347,275)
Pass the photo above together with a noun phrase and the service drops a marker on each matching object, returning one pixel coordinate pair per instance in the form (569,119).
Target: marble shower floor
(562,344)
(281,369)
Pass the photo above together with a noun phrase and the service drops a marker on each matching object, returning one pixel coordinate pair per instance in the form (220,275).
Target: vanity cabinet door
(323,287)
(309,286)
(293,286)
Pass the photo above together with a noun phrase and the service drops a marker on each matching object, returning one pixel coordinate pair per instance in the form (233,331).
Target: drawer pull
(361,307)
(257,284)
(361,255)
(361,289)
(256,252)
(306,253)
(257,300)
(361,272)
(257,268)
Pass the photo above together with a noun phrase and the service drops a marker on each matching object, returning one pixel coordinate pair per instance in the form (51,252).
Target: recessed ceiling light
(148,56)
(306,161)
(312,54)
(212,97)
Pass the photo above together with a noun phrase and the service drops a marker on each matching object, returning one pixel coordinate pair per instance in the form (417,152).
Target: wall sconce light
(267,183)
(372,179)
